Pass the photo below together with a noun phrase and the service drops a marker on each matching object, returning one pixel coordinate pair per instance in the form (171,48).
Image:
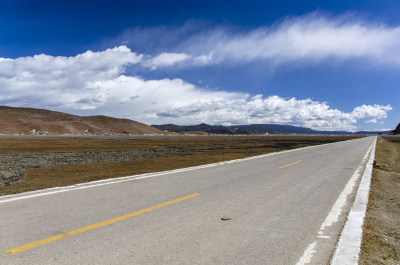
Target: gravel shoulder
(381,231)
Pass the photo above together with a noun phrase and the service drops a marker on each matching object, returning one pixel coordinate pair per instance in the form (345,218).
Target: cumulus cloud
(46,81)
(96,83)
(243,109)
(376,111)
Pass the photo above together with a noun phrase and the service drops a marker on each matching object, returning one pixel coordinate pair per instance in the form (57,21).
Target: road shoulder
(381,231)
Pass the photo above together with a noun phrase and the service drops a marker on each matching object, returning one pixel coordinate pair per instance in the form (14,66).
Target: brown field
(31,163)
(381,235)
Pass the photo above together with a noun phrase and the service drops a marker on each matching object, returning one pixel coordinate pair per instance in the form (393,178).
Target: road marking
(90,227)
(291,164)
(308,254)
(335,213)
(349,244)
(324,152)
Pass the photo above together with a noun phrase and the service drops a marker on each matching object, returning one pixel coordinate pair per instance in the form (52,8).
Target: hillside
(39,121)
(239,129)
(253,129)
(396,131)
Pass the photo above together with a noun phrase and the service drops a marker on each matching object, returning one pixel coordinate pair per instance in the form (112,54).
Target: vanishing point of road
(264,210)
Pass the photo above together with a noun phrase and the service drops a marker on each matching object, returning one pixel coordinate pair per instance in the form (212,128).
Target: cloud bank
(311,38)
(97,83)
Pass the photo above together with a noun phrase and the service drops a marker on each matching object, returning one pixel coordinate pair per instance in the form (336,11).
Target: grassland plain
(31,163)
(381,232)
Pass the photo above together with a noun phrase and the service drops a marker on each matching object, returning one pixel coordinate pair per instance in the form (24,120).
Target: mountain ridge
(254,129)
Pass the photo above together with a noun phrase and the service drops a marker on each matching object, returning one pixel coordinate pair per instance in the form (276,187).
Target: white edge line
(308,254)
(349,244)
(337,208)
(86,185)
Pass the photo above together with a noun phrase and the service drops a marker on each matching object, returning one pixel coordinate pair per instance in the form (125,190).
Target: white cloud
(105,63)
(96,83)
(310,38)
(376,111)
(166,59)
(313,38)
(46,81)
(257,110)
(176,59)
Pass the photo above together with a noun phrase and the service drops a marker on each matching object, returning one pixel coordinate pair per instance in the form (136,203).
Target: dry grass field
(31,163)
(381,237)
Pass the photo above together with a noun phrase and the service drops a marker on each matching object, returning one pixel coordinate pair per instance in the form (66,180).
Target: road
(281,209)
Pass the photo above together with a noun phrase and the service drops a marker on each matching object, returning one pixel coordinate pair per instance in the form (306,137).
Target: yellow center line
(90,227)
(324,152)
(290,164)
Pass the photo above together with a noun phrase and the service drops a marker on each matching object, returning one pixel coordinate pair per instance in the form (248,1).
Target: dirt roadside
(31,163)
(381,231)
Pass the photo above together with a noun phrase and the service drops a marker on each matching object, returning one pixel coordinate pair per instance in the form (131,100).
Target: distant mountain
(396,131)
(372,132)
(39,121)
(251,129)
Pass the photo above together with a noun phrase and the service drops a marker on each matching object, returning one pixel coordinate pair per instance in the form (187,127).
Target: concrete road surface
(285,208)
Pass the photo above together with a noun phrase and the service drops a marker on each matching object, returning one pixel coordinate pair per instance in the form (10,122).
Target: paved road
(279,205)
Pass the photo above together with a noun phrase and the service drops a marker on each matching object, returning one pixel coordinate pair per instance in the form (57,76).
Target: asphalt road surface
(280,209)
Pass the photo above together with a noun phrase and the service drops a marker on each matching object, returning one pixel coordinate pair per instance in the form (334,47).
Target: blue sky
(329,65)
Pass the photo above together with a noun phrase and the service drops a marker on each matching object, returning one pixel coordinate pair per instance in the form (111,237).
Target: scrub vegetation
(31,163)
